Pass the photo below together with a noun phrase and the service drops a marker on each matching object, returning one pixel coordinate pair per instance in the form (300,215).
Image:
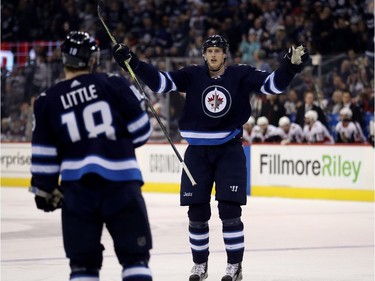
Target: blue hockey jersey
(215,108)
(89,124)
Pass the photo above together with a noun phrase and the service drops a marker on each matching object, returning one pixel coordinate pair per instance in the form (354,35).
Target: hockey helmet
(215,41)
(311,116)
(284,121)
(78,48)
(346,114)
(262,121)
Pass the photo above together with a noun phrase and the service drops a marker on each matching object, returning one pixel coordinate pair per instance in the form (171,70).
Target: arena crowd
(338,33)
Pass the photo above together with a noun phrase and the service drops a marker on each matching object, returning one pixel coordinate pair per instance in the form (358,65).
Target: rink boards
(294,171)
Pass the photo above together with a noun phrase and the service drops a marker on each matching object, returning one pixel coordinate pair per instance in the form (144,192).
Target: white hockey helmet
(284,121)
(251,121)
(311,115)
(262,121)
(346,112)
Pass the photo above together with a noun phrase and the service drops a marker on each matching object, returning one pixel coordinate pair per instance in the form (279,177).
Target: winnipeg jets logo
(216,101)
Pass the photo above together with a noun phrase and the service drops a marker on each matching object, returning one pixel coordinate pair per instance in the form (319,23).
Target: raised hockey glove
(47,201)
(296,58)
(122,53)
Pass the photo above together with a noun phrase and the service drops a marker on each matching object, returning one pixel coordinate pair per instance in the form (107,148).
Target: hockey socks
(137,272)
(199,237)
(84,274)
(234,239)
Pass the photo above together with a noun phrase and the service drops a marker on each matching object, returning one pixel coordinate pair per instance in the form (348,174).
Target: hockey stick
(148,102)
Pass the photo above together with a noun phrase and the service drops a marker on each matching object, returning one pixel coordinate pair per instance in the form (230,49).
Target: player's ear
(204,57)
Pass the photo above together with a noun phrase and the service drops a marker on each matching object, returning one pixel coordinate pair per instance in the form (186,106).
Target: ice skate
(233,272)
(199,272)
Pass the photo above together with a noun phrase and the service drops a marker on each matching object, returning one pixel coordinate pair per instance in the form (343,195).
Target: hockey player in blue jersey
(86,129)
(216,107)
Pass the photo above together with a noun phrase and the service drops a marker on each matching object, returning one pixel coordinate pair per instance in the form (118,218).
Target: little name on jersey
(80,95)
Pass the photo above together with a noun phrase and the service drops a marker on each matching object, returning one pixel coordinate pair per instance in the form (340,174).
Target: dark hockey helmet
(215,41)
(78,48)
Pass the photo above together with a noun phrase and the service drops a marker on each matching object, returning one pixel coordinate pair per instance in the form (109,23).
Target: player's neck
(217,72)
(73,74)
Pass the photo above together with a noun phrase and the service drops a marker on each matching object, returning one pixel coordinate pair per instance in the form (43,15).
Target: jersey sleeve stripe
(144,137)
(44,169)
(269,87)
(43,150)
(174,87)
(163,83)
(138,124)
(272,84)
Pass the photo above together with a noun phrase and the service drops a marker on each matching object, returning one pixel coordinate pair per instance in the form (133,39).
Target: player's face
(263,127)
(308,121)
(214,57)
(285,128)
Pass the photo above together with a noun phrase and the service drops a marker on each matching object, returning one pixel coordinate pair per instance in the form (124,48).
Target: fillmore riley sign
(327,166)
(313,166)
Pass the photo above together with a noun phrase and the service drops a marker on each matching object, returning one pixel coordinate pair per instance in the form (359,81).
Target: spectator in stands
(249,45)
(335,103)
(272,109)
(9,22)
(290,132)
(4,75)
(194,49)
(356,112)
(314,131)
(263,132)
(369,17)
(41,74)
(277,42)
(15,85)
(157,133)
(247,128)
(310,104)
(291,104)
(26,117)
(5,130)
(338,83)
(273,22)
(259,61)
(371,138)
(366,100)
(348,131)
(322,28)
(258,29)
(342,36)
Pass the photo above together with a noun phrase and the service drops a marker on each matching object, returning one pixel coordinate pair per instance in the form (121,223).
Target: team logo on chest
(216,101)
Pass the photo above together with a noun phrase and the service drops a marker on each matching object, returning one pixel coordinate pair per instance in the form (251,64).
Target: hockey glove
(47,201)
(296,58)
(122,53)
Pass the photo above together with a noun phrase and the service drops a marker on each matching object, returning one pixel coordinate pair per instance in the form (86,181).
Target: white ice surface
(286,240)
